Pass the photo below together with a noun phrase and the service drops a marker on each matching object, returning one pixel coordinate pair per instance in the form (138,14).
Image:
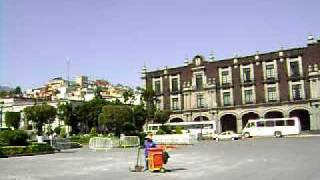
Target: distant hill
(5,88)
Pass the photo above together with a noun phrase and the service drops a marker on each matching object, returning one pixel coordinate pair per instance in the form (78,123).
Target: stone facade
(282,83)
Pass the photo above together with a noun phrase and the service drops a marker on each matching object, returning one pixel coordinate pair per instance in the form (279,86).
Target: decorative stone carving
(315,68)
(256,57)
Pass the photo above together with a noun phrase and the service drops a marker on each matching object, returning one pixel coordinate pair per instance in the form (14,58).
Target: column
(239,126)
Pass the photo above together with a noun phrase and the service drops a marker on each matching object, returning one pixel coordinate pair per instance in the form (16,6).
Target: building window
(270,71)
(226,98)
(246,74)
(225,77)
(294,68)
(199,82)
(157,87)
(175,102)
(296,92)
(272,94)
(248,96)
(174,85)
(200,101)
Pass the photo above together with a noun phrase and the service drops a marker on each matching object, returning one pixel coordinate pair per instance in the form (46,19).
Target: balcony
(249,102)
(226,85)
(295,77)
(174,92)
(248,82)
(271,80)
(297,98)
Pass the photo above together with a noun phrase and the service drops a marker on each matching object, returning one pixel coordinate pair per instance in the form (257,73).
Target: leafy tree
(17,90)
(149,97)
(97,92)
(129,128)
(128,95)
(162,116)
(40,114)
(140,116)
(88,113)
(12,119)
(113,117)
(64,112)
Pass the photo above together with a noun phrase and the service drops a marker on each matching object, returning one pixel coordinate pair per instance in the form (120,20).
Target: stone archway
(249,116)
(201,118)
(274,114)
(228,122)
(304,117)
(176,120)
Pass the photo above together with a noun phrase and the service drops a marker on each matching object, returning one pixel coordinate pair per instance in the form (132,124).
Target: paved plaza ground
(251,159)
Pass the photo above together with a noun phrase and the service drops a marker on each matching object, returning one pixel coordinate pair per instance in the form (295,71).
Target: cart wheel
(162,170)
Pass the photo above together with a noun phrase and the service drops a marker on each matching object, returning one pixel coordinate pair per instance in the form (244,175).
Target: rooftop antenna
(68,72)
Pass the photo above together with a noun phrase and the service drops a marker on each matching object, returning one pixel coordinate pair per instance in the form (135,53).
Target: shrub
(49,130)
(63,133)
(14,138)
(93,132)
(12,119)
(25,150)
(161,131)
(178,130)
(57,130)
(80,139)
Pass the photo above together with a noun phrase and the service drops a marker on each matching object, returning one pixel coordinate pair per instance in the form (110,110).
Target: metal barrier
(104,143)
(97,143)
(175,139)
(129,141)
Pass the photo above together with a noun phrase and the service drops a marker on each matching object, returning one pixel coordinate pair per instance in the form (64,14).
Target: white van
(277,127)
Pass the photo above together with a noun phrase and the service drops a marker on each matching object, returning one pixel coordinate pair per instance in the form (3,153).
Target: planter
(40,139)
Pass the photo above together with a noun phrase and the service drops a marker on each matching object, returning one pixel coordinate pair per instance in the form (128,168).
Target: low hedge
(80,139)
(13,138)
(26,150)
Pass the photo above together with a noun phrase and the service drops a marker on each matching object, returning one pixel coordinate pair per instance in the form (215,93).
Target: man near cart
(148,143)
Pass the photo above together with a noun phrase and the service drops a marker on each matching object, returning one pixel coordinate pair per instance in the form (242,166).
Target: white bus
(277,127)
(205,128)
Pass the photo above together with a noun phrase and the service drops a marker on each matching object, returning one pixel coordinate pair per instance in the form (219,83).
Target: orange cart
(156,160)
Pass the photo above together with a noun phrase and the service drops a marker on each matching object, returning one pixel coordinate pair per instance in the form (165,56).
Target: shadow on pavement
(176,169)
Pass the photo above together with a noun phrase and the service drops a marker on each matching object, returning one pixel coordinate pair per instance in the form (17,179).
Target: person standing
(148,143)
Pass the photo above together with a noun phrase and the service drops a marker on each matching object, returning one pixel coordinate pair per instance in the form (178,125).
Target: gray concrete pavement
(251,159)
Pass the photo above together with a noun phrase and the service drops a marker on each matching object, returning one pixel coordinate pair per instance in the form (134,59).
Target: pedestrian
(148,143)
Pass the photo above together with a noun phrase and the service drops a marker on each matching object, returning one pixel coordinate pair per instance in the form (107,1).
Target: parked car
(228,135)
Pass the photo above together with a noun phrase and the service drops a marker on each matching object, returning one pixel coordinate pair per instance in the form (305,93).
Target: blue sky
(113,39)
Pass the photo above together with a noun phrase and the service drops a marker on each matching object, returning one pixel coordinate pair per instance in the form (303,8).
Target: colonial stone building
(283,83)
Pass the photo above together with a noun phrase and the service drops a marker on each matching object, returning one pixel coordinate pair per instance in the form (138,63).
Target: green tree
(40,114)
(17,90)
(114,117)
(140,116)
(162,116)
(97,92)
(128,95)
(88,113)
(149,97)
(12,119)
(66,114)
